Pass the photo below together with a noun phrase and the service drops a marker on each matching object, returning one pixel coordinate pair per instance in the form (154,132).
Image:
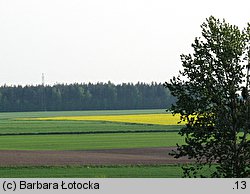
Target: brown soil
(133,156)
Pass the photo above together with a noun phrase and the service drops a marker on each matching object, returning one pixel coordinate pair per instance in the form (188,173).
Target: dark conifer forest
(99,96)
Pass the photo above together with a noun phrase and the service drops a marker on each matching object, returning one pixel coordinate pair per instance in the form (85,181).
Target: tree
(213,100)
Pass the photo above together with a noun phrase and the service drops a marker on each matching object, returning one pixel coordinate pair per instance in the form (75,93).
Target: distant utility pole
(43,79)
(43,96)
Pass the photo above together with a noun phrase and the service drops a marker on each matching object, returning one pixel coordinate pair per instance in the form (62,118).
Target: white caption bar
(125,186)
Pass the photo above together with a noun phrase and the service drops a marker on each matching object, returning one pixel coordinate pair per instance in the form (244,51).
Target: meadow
(93,130)
(18,127)
(8,115)
(155,171)
(89,141)
(81,132)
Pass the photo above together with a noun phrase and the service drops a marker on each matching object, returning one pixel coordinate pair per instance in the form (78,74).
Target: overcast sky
(101,40)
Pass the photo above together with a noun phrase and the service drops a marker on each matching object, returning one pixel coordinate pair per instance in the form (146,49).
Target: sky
(98,41)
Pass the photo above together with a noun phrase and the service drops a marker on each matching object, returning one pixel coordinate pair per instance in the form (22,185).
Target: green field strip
(28,127)
(161,171)
(88,132)
(12,115)
(90,141)
(93,171)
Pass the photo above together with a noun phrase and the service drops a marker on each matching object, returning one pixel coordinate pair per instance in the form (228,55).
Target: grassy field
(166,171)
(33,127)
(89,130)
(17,133)
(48,134)
(124,171)
(78,113)
(89,141)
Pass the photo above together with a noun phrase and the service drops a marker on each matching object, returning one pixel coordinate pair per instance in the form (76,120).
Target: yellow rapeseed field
(160,119)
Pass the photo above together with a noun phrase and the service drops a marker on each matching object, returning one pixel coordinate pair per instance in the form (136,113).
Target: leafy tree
(213,100)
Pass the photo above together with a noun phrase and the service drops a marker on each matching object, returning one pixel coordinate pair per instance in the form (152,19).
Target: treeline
(100,96)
